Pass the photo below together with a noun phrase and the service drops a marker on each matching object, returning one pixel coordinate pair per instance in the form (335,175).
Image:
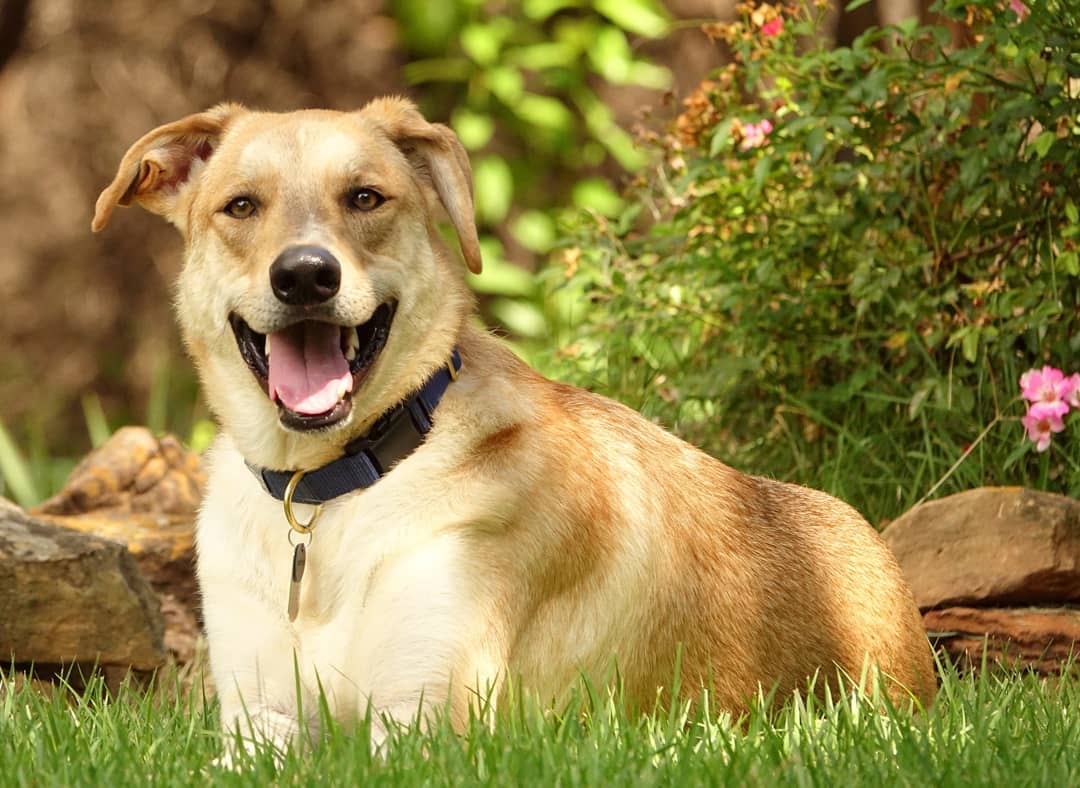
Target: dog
(402,516)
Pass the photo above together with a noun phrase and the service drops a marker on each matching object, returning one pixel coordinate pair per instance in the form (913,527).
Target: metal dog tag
(299,561)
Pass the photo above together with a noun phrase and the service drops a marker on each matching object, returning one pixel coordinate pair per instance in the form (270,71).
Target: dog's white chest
(382,601)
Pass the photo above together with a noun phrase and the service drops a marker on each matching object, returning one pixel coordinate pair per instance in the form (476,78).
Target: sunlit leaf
(493,187)
(544,111)
(534,230)
(474,129)
(520,317)
(637,16)
(597,195)
(500,277)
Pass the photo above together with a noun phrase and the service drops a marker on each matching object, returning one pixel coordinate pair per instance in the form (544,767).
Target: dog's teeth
(266,346)
(352,345)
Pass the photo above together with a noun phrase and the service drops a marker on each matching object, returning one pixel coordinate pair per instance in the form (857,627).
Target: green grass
(991,729)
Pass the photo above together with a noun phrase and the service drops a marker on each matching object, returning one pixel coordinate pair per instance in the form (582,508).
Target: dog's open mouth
(311,368)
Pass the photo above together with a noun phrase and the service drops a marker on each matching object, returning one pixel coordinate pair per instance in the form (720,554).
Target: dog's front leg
(431,643)
(262,695)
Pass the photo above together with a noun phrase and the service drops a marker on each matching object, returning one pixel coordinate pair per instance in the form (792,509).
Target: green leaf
(638,16)
(649,75)
(1071,213)
(721,136)
(1069,262)
(538,57)
(500,277)
(481,43)
(761,172)
(473,128)
(815,143)
(596,194)
(969,346)
(544,111)
(600,121)
(1044,142)
(521,317)
(494,188)
(610,54)
(427,28)
(534,230)
(918,400)
(854,4)
(506,83)
(542,9)
(621,146)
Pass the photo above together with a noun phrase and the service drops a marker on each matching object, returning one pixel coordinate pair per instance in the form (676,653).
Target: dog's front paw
(251,735)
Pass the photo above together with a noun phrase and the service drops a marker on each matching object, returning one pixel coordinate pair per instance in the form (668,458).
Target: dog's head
(315,292)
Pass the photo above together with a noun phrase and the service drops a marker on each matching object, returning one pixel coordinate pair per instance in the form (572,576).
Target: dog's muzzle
(311,368)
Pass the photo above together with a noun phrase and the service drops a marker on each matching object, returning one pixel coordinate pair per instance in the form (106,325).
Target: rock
(1038,638)
(990,546)
(133,472)
(72,598)
(144,492)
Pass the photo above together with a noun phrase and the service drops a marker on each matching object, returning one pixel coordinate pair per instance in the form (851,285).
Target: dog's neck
(393,437)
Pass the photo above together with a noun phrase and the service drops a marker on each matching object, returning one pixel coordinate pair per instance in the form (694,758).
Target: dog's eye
(240,207)
(366,199)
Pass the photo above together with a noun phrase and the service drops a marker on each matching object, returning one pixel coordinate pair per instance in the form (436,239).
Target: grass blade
(97,426)
(15,471)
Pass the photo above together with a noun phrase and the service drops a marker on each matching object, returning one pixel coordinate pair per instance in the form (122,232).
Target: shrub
(853,253)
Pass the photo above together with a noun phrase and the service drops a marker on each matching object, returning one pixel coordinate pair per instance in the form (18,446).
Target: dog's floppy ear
(436,149)
(157,166)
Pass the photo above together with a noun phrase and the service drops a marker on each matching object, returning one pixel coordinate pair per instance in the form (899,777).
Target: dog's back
(646,546)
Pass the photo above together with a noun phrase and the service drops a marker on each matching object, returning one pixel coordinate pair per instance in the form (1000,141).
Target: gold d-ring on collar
(296,525)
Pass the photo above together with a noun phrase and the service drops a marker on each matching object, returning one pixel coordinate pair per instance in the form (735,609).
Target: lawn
(997,728)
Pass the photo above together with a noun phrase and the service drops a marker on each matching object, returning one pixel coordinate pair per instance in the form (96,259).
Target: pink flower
(754,134)
(1050,386)
(1070,390)
(1041,422)
(1019,9)
(775,26)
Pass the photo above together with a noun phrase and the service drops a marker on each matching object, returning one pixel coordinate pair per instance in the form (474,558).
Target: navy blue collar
(392,438)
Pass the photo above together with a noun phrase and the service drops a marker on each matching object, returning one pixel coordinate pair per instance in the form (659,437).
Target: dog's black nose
(305,276)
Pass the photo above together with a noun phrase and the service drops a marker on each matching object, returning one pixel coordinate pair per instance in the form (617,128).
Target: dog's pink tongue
(308,371)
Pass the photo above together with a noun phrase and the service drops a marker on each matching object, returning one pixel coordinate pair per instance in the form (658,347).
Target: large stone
(144,492)
(72,598)
(990,546)
(133,471)
(1042,639)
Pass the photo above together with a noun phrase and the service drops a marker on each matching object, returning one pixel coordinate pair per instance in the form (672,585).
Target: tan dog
(535,533)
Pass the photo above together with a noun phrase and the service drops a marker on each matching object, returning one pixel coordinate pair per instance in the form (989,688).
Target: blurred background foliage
(521,83)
